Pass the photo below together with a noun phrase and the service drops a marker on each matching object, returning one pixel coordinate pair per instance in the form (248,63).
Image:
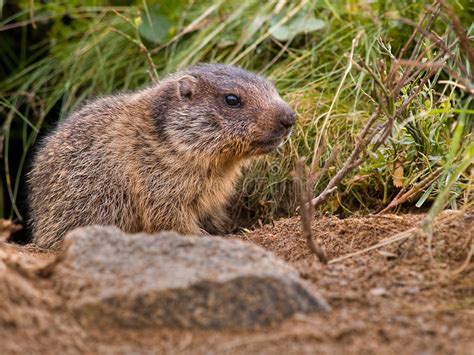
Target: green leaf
(154,28)
(425,195)
(301,23)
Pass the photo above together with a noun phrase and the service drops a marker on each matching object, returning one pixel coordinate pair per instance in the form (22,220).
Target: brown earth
(395,299)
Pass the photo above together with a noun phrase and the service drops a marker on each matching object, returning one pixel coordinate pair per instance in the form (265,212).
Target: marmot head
(221,110)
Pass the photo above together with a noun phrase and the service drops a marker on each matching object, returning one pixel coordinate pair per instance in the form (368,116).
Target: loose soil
(402,298)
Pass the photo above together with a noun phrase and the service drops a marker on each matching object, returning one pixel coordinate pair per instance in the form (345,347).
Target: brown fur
(163,158)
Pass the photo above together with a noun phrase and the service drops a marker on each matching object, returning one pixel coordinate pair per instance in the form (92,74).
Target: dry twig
(410,194)
(408,234)
(306,211)
(352,162)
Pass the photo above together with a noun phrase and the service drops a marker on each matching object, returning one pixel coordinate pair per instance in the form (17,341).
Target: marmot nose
(287,118)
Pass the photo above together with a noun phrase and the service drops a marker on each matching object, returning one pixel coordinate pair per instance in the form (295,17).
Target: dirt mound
(395,299)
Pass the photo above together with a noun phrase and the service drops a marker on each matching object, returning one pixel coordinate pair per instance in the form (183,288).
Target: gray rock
(110,277)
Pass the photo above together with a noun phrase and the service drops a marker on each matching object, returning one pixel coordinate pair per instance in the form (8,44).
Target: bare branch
(413,191)
(351,163)
(306,211)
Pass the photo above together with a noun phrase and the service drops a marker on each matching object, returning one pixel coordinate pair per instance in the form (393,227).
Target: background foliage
(56,54)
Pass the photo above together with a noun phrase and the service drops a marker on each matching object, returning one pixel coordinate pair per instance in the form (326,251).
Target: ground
(394,299)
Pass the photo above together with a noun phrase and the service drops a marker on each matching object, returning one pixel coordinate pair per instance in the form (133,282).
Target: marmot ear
(187,84)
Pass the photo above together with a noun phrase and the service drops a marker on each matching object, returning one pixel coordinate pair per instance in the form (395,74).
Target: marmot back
(163,158)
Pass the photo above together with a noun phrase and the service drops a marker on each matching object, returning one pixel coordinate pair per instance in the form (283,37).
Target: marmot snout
(163,158)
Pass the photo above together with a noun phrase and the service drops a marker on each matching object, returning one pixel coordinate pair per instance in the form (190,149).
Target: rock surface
(166,279)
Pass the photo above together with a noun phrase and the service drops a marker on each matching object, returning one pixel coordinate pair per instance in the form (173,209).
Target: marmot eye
(232,100)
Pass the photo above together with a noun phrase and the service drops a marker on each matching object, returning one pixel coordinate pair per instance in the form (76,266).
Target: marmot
(162,158)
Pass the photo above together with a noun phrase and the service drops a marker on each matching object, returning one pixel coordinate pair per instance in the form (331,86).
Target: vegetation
(329,59)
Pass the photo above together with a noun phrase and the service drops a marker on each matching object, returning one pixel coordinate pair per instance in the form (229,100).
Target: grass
(96,49)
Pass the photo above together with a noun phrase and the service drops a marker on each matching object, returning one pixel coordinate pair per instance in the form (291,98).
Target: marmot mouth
(263,146)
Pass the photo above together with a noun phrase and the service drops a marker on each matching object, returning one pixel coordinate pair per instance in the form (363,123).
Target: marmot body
(163,158)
